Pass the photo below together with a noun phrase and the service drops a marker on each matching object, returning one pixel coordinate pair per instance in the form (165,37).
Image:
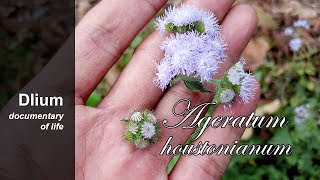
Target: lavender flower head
(289,31)
(301,113)
(227,96)
(247,88)
(236,72)
(244,81)
(186,15)
(302,23)
(148,130)
(190,54)
(295,44)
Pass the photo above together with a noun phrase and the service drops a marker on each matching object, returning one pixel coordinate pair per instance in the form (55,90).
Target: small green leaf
(195,86)
(195,26)
(128,136)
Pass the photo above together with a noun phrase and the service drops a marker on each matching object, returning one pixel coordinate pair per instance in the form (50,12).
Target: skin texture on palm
(101,37)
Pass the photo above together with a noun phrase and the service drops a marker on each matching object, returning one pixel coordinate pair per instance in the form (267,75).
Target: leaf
(195,86)
(128,136)
(281,137)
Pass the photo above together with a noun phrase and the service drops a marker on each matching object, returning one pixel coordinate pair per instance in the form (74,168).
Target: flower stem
(184,78)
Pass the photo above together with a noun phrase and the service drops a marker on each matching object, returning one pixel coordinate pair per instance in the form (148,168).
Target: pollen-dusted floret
(188,16)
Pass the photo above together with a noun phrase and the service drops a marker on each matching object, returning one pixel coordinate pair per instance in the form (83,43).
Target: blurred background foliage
(290,81)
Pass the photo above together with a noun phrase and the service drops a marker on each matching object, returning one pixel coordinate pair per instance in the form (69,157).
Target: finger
(213,166)
(135,87)
(237,27)
(103,35)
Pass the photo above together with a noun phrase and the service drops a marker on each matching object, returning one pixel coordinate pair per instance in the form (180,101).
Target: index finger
(103,35)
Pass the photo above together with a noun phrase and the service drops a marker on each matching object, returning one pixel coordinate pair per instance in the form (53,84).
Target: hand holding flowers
(193,52)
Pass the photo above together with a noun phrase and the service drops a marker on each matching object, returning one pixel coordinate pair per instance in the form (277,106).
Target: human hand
(101,38)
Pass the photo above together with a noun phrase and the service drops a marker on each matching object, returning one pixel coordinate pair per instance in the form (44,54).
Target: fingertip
(249,12)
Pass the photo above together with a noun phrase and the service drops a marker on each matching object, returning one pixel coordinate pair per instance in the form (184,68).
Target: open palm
(101,37)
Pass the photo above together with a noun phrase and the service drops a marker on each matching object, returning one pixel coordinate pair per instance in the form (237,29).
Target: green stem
(184,78)
(175,159)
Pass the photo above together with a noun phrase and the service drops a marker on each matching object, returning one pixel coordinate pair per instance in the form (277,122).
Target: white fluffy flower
(247,88)
(236,73)
(164,74)
(133,128)
(190,54)
(186,15)
(141,144)
(295,44)
(289,31)
(136,116)
(227,96)
(152,118)
(148,130)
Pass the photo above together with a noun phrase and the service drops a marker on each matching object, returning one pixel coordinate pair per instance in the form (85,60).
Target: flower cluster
(235,81)
(185,18)
(295,43)
(194,47)
(302,24)
(142,129)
